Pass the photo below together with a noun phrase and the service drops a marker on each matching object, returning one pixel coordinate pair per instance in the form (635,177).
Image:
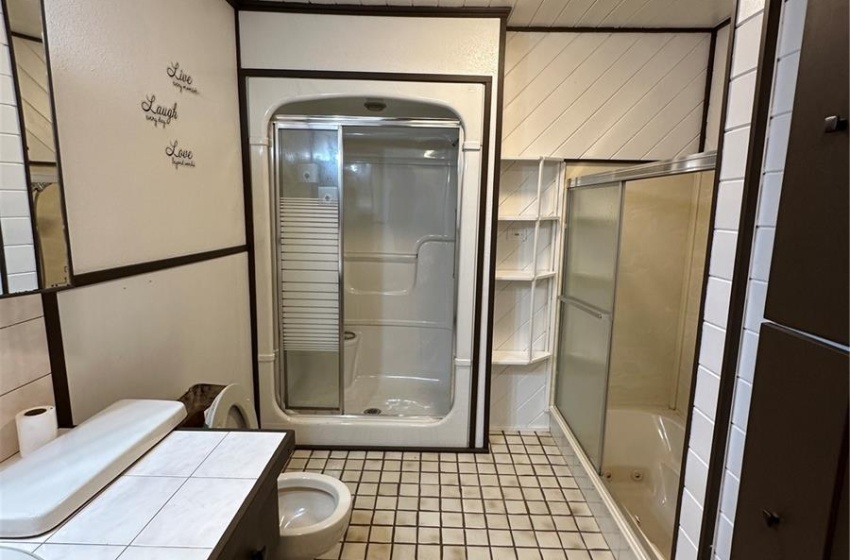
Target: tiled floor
(518,502)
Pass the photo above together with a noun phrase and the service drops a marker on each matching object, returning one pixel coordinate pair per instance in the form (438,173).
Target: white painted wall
(25,379)
(154,335)
(604,95)
(18,246)
(736,130)
(432,45)
(149,336)
(781,104)
(718,80)
(120,186)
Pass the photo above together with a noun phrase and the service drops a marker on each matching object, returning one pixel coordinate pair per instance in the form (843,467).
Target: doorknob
(834,123)
(771,518)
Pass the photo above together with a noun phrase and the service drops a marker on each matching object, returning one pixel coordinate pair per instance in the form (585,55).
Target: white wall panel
(119,184)
(155,335)
(604,95)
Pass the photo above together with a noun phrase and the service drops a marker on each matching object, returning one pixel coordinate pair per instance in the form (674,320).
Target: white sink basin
(15,554)
(45,488)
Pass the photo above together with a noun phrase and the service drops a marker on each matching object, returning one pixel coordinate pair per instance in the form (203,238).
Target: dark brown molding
(724,107)
(248,203)
(740,274)
(56,146)
(56,353)
(26,36)
(110,274)
(379,11)
(706,96)
(584,29)
(379,76)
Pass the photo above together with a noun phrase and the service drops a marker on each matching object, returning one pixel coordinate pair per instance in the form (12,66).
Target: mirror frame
(37,242)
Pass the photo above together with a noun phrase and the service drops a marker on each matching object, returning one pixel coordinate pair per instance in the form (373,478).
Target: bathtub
(641,465)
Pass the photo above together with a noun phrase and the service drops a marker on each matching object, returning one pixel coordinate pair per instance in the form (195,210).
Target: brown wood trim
(26,36)
(494,216)
(740,275)
(56,352)
(379,11)
(271,471)
(706,273)
(412,449)
(585,29)
(706,96)
(248,202)
(56,145)
(107,275)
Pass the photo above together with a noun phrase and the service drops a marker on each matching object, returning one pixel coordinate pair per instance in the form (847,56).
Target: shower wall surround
(427,52)
(150,335)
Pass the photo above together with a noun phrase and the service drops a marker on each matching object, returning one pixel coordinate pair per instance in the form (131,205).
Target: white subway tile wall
(782,101)
(15,226)
(736,135)
(25,379)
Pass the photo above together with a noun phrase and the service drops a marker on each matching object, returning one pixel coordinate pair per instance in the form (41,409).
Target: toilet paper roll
(36,427)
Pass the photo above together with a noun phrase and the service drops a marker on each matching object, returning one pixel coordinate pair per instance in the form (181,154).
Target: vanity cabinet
(795,455)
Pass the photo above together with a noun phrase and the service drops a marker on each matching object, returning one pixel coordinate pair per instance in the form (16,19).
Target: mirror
(33,234)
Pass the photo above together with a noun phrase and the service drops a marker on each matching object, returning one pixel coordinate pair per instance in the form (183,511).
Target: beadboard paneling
(604,95)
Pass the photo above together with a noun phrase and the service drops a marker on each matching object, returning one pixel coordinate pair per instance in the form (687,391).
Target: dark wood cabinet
(808,287)
(792,482)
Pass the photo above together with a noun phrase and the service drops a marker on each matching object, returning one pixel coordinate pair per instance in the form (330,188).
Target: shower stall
(635,257)
(367,306)
(366,263)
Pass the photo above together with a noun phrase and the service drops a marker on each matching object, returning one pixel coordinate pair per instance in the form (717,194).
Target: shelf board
(522,275)
(519,357)
(527,218)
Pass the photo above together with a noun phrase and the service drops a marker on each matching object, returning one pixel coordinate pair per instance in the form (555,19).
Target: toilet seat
(314,511)
(232,408)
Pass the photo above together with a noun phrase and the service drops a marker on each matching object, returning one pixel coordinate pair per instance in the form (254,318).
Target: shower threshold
(397,395)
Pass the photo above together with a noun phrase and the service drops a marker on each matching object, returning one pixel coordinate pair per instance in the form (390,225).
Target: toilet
(232,409)
(314,509)
(314,512)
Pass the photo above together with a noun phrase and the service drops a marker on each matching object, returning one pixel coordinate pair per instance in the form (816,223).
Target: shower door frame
(338,123)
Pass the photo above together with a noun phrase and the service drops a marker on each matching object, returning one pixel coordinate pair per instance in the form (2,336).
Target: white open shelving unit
(531,196)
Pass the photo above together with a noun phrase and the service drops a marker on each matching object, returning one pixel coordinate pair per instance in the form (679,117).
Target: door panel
(795,443)
(809,276)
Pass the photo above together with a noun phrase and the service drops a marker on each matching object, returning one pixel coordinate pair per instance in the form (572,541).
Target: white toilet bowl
(314,513)
(232,409)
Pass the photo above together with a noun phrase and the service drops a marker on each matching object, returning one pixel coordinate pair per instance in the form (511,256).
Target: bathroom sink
(46,487)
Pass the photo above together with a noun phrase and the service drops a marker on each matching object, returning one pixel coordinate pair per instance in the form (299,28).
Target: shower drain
(372,411)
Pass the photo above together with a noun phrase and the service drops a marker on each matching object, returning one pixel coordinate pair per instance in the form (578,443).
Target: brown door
(808,287)
(793,458)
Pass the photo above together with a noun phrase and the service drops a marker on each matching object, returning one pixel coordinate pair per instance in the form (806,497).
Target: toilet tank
(46,487)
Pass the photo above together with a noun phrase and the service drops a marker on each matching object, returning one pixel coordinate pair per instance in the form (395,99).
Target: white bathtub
(641,468)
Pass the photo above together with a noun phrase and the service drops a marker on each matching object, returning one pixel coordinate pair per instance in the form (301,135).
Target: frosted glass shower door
(309,251)
(587,305)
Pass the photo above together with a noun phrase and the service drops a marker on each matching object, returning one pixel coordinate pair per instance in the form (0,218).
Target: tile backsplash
(25,379)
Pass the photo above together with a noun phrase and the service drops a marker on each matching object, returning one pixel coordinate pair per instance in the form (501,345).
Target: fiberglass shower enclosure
(366,225)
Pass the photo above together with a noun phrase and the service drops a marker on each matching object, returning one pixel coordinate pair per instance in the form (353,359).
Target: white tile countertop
(175,503)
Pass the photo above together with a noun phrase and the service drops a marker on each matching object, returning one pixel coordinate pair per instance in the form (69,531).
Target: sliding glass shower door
(309,265)
(366,262)
(587,305)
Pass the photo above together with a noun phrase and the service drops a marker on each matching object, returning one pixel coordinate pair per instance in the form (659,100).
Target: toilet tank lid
(46,487)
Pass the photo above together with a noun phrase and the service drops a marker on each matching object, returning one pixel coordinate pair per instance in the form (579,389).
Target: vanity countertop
(181,501)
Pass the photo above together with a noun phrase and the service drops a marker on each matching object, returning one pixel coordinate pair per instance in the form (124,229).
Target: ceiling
(581,13)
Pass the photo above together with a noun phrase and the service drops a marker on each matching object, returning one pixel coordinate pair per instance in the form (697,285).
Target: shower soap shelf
(532,195)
